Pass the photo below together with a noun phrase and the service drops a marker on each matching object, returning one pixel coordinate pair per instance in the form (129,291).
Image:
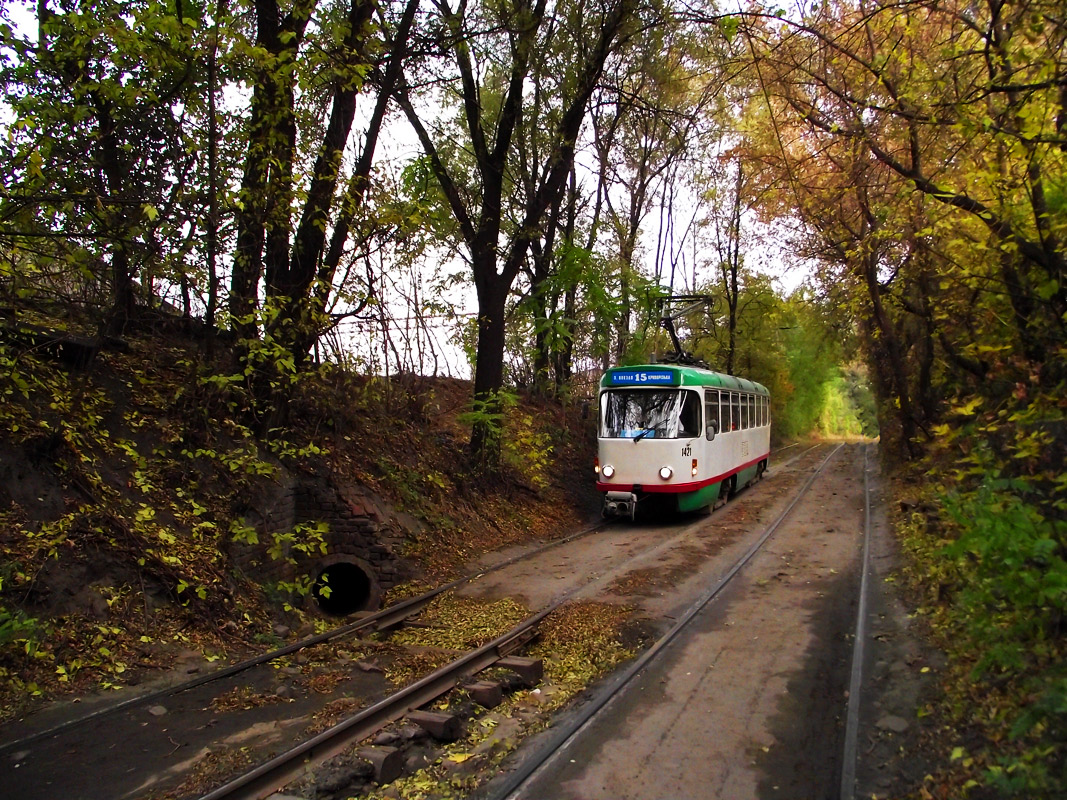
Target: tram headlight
(665,473)
(694,470)
(608,471)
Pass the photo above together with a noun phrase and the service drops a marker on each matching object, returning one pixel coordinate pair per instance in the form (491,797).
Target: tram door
(713,428)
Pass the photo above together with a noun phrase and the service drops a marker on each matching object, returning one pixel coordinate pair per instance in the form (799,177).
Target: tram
(680,435)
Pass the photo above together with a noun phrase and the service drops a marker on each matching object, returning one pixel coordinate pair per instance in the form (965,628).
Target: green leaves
(1008,599)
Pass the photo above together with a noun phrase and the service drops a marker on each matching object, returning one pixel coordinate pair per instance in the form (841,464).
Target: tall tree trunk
(565,354)
(886,343)
(495,268)
(544,305)
(212,232)
(489,369)
(116,172)
(263,222)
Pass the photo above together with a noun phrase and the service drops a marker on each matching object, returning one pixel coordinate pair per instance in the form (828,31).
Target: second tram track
(380,620)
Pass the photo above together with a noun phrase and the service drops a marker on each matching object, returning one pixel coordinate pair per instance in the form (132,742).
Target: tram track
(296,761)
(850,750)
(556,746)
(381,620)
(291,764)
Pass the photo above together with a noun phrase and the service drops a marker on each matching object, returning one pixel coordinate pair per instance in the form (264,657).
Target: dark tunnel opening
(342,588)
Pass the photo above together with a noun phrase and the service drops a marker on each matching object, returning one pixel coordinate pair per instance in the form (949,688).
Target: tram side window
(766,401)
(689,420)
(735,404)
(711,409)
(753,419)
(744,411)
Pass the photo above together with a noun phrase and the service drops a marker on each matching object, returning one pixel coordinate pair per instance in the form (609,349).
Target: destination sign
(645,376)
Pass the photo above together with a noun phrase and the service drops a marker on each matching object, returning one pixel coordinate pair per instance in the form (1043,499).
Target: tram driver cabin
(678,437)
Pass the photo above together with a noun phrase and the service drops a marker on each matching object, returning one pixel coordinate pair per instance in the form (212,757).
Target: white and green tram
(681,435)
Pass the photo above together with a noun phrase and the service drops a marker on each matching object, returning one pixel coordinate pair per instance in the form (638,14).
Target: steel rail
(281,770)
(380,620)
(554,746)
(794,459)
(855,685)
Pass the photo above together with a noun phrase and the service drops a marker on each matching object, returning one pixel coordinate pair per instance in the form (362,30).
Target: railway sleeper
(487,694)
(388,762)
(443,727)
(529,670)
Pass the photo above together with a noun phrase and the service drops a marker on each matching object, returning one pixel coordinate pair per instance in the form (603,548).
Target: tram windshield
(653,414)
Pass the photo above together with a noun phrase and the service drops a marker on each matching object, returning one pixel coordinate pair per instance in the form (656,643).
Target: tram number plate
(744,449)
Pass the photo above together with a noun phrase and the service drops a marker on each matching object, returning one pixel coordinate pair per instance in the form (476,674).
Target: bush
(1009,605)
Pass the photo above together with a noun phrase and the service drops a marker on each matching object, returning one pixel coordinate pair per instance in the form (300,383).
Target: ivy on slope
(152,472)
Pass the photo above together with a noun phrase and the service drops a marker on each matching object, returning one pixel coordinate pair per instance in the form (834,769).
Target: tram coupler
(620,504)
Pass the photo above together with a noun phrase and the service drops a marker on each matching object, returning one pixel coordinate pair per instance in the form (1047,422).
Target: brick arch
(360,531)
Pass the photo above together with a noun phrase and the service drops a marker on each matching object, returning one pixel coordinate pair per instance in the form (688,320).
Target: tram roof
(674,375)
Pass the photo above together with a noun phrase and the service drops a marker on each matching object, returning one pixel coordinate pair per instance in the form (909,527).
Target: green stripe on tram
(647,375)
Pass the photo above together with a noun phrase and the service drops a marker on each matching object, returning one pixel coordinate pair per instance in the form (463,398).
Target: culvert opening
(342,588)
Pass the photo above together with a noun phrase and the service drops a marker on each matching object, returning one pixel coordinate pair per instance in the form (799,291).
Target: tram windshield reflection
(653,414)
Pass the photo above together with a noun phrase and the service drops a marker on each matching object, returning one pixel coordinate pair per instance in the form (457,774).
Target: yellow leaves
(1029,447)
(424,785)
(34,165)
(458,623)
(960,754)
(968,409)
(580,641)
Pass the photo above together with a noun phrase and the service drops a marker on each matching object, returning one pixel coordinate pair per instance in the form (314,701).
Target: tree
(493,50)
(649,124)
(297,264)
(99,150)
(930,135)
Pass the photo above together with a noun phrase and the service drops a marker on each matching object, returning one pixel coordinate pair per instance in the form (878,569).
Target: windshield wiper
(643,434)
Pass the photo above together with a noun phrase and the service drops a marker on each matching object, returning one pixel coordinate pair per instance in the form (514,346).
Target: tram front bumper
(620,504)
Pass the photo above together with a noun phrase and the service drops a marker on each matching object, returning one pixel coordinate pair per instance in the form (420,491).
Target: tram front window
(642,413)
